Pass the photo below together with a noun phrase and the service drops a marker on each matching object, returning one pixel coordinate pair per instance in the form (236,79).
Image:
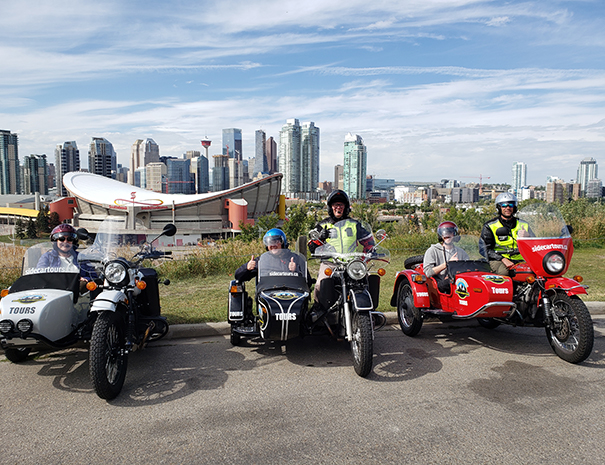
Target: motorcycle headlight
(6,326)
(357,270)
(554,263)
(115,273)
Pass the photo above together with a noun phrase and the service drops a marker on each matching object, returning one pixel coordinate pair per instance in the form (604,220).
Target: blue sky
(437,88)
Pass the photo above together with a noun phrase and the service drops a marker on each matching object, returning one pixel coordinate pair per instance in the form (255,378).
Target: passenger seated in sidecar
(439,257)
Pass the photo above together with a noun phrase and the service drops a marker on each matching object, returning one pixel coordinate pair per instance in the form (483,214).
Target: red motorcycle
(536,294)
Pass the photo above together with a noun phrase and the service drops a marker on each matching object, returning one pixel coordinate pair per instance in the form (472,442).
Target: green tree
(42,221)
(20,229)
(297,223)
(31,230)
(53,221)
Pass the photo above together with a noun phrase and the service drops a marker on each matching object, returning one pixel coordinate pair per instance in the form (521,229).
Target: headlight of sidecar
(6,326)
(357,270)
(554,263)
(115,273)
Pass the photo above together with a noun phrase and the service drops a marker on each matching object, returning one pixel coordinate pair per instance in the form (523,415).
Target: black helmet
(339,196)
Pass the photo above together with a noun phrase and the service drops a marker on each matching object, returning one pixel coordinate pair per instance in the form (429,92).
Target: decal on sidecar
(462,288)
(29,299)
(495,278)
(285,295)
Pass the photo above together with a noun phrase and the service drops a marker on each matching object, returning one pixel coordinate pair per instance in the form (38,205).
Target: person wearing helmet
(282,259)
(498,247)
(64,255)
(340,231)
(439,255)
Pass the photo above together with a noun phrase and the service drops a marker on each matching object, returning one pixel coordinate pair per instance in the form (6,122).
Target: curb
(223,328)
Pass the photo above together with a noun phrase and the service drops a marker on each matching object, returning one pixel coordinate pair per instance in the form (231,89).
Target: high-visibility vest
(344,237)
(509,241)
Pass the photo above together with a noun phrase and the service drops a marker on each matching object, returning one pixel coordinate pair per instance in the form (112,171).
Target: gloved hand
(324,234)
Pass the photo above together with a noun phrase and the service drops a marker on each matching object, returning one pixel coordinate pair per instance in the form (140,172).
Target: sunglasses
(507,205)
(63,239)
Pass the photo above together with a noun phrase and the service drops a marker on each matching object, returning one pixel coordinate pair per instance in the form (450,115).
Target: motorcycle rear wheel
(107,358)
(410,318)
(362,345)
(17,355)
(573,339)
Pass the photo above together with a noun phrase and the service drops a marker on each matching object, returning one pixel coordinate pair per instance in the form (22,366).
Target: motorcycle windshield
(45,258)
(471,255)
(350,239)
(109,242)
(282,268)
(543,220)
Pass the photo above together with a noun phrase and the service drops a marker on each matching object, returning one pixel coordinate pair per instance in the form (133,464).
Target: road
(457,393)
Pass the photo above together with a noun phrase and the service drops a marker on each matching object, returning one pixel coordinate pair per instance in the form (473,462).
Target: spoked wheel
(17,355)
(362,345)
(108,358)
(572,338)
(488,323)
(410,318)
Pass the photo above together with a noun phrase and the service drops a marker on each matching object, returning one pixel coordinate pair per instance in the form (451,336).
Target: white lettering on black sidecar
(22,310)
(285,316)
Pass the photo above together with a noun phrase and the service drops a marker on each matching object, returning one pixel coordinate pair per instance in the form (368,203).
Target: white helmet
(506,198)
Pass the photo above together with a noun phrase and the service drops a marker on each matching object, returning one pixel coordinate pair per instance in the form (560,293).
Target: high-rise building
(178,176)
(339,172)
(236,173)
(155,174)
(232,143)
(309,146)
(140,177)
(519,177)
(35,170)
(220,173)
(102,159)
(260,154)
(52,173)
(594,189)
(10,173)
(355,167)
(67,159)
(271,153)
(142,153)
(289,157)
(587,171)
(200,172)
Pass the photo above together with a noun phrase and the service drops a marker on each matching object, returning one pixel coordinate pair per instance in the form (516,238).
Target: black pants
(444,284)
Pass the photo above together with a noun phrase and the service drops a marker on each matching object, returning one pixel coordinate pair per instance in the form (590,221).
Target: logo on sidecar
(30,299)
(462,288)
(284,295)
(495,278)
(285,316)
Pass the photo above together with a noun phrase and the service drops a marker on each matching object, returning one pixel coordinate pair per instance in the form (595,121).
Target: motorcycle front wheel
(573,337)
(108,359)
(362,344)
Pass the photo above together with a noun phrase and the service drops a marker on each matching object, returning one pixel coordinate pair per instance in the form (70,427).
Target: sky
(437,89)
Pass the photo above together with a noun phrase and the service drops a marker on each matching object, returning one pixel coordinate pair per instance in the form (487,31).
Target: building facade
(271,153)
(10,173)
(299,159)
(355,167)
(142,153)
(232,143)
(519,172)
(178,177)
(155,174)
(35,174)
(102,159)
(339,172)
(220,173)
(261,164)
(67,159)
(587,171)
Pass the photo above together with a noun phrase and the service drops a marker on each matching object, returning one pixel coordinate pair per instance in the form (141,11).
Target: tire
(411,262)
(108,359)
(235,338)
(301,245)
(17,355)
(573,339)
(362,345)
(488,323)
(159,331)
(410,318)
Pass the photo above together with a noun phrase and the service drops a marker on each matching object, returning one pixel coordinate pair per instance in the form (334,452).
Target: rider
(341,232)
(438,255)
(496,246)
(281,258)
(63,254)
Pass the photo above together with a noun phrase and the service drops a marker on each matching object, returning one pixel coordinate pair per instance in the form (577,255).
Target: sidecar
(282,300)
(43,308)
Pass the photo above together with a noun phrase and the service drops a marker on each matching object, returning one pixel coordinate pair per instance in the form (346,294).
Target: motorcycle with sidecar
(349,297)
(118,311)
(535,294)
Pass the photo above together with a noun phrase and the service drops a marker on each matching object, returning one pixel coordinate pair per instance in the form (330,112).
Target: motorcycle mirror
(569,229)
(169,230)
(314,234)
(502,232)
(381,235)
(82,234)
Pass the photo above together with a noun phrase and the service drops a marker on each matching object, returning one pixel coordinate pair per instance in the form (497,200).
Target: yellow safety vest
(344,237)
(510,241)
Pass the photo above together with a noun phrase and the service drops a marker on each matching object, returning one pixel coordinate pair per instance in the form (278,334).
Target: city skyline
(466,86)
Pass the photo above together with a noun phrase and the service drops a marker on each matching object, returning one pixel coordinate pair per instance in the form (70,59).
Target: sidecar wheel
(488,323)
(573,338)
(108,359)
(362,345)
(17,355)
(410,318)
(235,338)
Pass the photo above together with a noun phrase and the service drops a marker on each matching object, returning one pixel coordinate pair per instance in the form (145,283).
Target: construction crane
(480,177)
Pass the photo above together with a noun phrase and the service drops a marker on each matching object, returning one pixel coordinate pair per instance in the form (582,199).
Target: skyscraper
(260,154)
(355,167)
(220,173)
(67,159)
(10,179)
(200,171)
(587,170)
(142,153)
(101,157)
(155,174)
(271,151)
(309,146)
(289,157)
(179,179)
(35,170)
(519,177)
(232,143)
(339,172)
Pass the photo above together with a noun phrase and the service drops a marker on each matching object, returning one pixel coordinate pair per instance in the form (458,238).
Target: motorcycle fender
(419,290)
(361,300)
(570,286)
(107,301)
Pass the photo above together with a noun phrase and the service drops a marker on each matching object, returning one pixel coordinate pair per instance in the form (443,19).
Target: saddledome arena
(214,214)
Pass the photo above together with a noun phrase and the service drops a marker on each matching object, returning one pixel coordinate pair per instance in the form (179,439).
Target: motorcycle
(118,311)
(349,297)
(536,293)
